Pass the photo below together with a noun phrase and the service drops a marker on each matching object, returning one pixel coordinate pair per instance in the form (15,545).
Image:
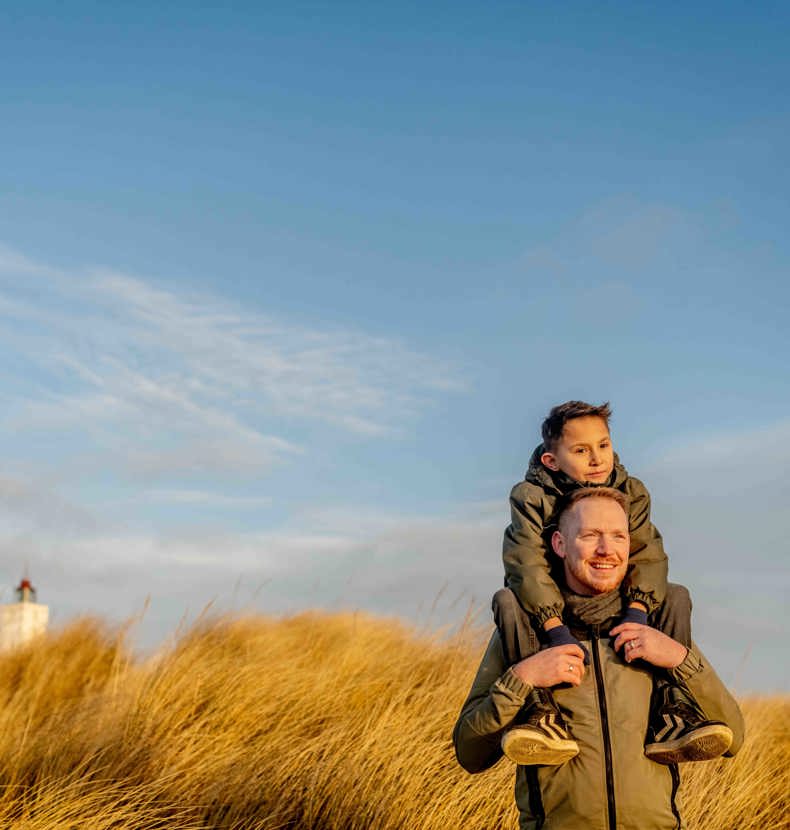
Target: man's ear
(548,459)
(558,544)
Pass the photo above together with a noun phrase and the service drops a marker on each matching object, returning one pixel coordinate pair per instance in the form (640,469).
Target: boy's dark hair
(562,413)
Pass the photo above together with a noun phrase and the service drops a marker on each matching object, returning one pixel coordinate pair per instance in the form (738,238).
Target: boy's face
(584,451)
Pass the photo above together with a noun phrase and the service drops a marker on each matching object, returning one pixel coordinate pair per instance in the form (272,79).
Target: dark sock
(635,615)
(560,635)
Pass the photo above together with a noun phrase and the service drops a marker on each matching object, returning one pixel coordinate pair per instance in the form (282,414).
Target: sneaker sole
(702,745)
(536,750)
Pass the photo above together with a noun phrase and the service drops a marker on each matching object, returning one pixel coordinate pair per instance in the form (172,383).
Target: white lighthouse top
(25,592)
(23,620)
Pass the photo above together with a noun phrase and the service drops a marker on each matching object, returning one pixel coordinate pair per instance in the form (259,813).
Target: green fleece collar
(562,484)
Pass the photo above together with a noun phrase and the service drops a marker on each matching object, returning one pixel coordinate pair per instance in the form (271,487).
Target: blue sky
(285,292)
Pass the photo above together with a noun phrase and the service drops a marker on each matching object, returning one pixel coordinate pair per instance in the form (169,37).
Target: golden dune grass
(322,722)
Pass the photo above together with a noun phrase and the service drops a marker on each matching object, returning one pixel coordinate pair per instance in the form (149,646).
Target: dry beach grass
(322,722)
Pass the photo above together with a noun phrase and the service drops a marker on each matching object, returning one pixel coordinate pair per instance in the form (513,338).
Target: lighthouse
(22,620)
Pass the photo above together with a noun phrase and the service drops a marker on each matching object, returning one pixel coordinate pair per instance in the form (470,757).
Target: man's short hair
(582,493)
(554,424)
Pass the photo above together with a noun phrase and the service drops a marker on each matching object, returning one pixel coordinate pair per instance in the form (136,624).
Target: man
(610,784)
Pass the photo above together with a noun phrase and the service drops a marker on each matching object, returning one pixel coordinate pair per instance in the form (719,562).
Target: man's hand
(641,642)
(561,664)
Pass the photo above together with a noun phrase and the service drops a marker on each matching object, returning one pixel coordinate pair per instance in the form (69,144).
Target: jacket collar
(561,484)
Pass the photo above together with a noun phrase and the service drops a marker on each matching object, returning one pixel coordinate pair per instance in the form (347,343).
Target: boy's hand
(561,635)
(640,642)
(552,666)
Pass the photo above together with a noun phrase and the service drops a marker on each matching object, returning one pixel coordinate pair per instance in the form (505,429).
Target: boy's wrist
(561,635)
(635,614)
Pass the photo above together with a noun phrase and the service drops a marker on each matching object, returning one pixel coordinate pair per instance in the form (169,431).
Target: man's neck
(592,610)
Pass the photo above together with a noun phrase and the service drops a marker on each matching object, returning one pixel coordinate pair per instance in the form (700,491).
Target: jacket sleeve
(495,699)
(648,566)
(525,555)
(697,676)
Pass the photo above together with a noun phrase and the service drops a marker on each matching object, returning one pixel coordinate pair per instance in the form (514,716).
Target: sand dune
(330,722)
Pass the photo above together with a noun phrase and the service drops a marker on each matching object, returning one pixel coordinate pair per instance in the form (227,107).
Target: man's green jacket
(610,784)
(526,551)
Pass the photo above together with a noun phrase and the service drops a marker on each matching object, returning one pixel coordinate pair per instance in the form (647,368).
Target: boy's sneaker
(539,734)
(678,732)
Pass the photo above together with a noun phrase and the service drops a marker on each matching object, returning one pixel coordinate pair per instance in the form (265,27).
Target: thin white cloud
(346,378)
(28,505)
(386,562)
(430,568)
(765,445)
(16,262)
(159,382)
(719,500)
(207,498)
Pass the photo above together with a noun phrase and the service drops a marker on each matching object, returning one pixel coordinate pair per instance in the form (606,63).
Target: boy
(577,452)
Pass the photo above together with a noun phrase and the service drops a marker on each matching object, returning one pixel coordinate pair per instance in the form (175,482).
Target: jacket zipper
(607,745)
(673,768)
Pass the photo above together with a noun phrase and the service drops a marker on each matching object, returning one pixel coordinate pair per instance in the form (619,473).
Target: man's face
(584,451)
(593,541)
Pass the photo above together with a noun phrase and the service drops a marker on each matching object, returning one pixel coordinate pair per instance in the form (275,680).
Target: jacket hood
(563,484)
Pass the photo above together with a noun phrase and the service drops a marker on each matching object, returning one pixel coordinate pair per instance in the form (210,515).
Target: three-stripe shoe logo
(674,726)
(548,723)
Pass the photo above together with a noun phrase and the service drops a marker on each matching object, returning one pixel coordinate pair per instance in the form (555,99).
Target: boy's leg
(538,734)
(519,639)
(678,730)
(673,616)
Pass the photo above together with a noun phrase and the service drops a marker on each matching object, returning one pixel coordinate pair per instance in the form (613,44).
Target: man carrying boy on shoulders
(609,784)
(577,453)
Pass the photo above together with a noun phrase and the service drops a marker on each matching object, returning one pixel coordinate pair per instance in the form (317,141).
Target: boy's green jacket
(530,561)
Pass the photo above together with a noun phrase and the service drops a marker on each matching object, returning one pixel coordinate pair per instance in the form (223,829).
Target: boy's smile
(583,451)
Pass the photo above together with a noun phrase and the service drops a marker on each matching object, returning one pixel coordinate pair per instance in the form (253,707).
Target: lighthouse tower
(22,620)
